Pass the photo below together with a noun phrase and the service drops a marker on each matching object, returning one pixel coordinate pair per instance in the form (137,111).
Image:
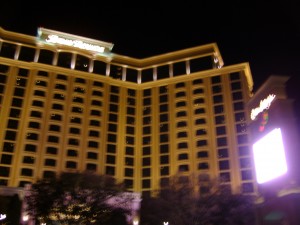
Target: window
(72,153)
(6,159)
(30,148)
(64,59)
(91,167)
(146,161)
(146,183)
(202,154)
(95,123)
(59,96)
(183,156)
(223,153)
(93,133)
(182,145)
(73,141)
(71,165)
(203,166)
(26,172)
(57,106)
(54,127)
(164,159)
(50,162)
(201,143)
(246,175)
(53,139)
(218,99)
(38,103)
(95,112)
(75,120)
(46,56)
(92,155)
(8,147)
(74,130)
(199,111)
(110,159)
(181,114)
(13,124)
(181,124)
(32,136)
(198,91)
(52,150)
(164,171)
(56,117)
(28,159)
(129,172)
(183,168)
(93,144)
(200,121)
(224,165)
(146,172)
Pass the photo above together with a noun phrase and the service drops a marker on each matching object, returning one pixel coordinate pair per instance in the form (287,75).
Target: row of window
(83,63)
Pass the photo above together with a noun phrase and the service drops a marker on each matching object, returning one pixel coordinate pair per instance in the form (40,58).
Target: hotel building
(68,103)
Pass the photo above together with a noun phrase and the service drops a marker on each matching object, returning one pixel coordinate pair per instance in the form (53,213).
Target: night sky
(266,35)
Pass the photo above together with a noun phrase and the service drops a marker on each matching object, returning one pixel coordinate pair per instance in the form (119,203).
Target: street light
(166,223)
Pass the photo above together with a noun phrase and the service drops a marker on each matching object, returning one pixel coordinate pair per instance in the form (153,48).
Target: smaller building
(277,161)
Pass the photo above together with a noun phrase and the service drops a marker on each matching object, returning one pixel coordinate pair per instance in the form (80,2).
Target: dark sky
(266,35)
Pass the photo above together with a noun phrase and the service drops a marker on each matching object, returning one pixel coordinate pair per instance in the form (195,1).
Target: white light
(2,216)
(25,218)
(135,222)
(269,157)
(166,223)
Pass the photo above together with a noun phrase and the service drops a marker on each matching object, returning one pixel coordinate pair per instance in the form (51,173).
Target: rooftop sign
(59,38)
(264,104)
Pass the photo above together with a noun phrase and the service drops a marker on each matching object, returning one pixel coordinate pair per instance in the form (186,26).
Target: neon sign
(75,43)
(55,37)
(264,104)
(2,216)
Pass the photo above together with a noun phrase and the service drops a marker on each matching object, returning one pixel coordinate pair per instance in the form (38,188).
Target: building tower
(68,103)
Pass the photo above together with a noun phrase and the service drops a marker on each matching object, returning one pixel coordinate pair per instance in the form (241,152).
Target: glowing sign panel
(55,37)
(264,104)
(269,157)
(75,43)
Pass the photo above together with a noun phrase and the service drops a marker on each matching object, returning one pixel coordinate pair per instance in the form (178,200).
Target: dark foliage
(178,204)
(76,198)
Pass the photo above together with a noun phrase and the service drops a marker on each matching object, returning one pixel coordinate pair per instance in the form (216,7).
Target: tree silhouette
(76,198)
(178,204)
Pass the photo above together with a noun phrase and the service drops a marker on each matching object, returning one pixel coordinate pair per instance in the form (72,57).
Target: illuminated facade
(67,103)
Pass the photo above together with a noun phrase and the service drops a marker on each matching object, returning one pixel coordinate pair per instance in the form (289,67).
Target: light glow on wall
(269,157)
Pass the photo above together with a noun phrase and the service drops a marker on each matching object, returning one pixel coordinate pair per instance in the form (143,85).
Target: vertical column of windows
(130,139)
(164,138)
(8,145)
(56,105)
(20,87)
(35,123)
(242,133)
(95,117)
(75,97)
(221,130)
(201,136)
(182,117)
(146,139)
(114,100)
